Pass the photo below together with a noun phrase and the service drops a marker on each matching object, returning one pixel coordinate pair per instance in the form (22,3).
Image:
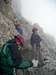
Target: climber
(19,30)
(12,55)
(17,43)
(35,42)
(18,27)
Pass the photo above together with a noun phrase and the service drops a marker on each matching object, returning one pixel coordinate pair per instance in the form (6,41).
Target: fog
(40,11)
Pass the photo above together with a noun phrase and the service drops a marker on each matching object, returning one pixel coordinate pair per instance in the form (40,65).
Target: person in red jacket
(19,40)
(19,33)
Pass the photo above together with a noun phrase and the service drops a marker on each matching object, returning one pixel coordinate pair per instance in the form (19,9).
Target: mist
(39,11)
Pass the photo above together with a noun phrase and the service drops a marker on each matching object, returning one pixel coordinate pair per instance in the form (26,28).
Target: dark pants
(37,53)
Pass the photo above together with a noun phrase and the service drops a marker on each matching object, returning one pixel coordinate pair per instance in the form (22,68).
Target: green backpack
(5,59)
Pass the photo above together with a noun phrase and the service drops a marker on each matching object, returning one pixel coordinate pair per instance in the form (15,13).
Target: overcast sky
(42,12)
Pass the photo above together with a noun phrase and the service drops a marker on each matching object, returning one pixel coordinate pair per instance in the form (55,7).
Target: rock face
(48,44)
(6,28)
(6,20)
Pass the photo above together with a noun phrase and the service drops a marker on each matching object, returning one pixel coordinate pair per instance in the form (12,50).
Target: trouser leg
(34,51)
(39,55)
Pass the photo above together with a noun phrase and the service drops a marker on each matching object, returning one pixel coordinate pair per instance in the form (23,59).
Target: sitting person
(10,55)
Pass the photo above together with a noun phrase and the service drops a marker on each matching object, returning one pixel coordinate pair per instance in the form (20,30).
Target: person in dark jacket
(14,48)
(35,38)
(35,42)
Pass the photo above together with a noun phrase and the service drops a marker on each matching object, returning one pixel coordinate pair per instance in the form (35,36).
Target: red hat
(19,39)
